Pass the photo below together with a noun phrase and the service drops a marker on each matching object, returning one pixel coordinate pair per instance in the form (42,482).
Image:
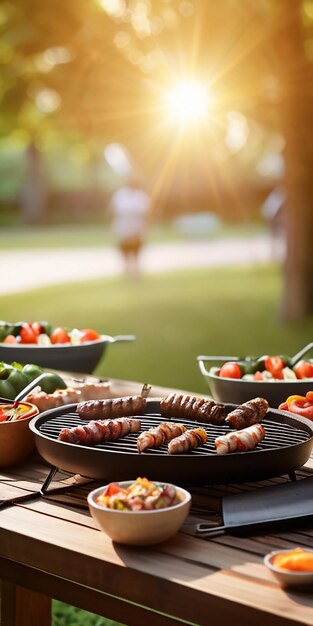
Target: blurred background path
(29,269)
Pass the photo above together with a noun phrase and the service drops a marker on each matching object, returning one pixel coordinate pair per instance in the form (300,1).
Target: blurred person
(130,205)
(273,211)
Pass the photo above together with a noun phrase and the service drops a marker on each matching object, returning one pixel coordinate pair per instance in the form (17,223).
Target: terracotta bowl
(140,527)
(16,439)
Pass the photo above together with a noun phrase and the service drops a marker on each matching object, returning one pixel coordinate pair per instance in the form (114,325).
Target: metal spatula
(291,501)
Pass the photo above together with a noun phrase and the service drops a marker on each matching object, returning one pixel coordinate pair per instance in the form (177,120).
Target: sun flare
(188,101)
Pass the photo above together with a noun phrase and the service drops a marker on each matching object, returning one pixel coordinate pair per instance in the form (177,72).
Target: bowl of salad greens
(273,377)
(57,347)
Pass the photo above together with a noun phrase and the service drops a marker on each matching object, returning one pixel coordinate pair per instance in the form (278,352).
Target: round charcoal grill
(286,447)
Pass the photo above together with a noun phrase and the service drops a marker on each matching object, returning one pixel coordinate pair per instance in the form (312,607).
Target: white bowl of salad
(139,512)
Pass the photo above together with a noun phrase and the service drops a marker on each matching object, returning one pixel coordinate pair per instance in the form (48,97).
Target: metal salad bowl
(239,390)
(82,357)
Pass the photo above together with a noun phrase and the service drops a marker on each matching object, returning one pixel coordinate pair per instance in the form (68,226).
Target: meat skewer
(241,440)
(192,407)
(156,437)
(189,440)
(100,430)
(247,413)
(111,408)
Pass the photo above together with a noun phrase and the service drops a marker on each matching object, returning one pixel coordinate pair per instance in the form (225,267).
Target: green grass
(65,615)
(175,317)
(78,235)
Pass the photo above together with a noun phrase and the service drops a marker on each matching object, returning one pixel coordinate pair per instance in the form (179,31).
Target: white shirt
(130,208)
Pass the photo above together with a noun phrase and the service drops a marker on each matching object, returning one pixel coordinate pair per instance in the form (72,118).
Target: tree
(296,106)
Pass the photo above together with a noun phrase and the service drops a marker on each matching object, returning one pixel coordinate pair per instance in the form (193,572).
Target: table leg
(22,607)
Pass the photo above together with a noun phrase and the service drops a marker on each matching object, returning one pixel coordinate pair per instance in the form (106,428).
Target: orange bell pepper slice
(298,560)
(301,405)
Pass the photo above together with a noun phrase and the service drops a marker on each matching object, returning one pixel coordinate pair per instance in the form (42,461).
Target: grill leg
(292,476)
(45,485)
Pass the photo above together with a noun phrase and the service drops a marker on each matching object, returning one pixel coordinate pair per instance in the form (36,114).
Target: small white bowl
(140,528)
(288,578)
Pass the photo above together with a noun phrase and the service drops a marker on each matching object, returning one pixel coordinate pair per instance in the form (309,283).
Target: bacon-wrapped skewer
(100,430)
(192,407)
(111,409)
(247,413)
(241,440)
(189,440)
(156,437)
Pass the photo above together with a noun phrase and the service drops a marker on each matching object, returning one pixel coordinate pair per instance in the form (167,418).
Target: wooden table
(51,548)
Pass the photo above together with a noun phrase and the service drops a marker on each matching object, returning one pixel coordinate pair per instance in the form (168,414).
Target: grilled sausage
(247,413)
(241,440)
(100,430)
(156,437)
(192,407)
(111,409)
(189,440)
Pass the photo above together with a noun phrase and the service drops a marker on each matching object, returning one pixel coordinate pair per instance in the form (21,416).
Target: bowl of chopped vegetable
(67,349)
(16,439)
(139,512)
(275,378)
(292,568)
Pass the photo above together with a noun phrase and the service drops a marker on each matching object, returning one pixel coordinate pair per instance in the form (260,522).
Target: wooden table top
(51,545)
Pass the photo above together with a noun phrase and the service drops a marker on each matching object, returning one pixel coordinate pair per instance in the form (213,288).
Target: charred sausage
(192,407)
(100,430)
(112,408)
(156,437)
(241,440)
(189,440)
(247,413)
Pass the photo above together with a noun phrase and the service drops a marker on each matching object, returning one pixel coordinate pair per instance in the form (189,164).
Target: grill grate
(286,447)
(278,434)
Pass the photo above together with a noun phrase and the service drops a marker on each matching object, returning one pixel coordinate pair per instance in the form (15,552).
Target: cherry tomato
(88,334)
(112,489)
(10,339)
(258,376)
(37,328)
(27,333)
(275,365)
(59,335)
(303,369)
(231,369)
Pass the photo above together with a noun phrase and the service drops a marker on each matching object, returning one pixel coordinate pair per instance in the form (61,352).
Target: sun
(187,101)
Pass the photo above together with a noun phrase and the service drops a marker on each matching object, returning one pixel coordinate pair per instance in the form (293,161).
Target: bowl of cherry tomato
(274,377)
(55,347)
